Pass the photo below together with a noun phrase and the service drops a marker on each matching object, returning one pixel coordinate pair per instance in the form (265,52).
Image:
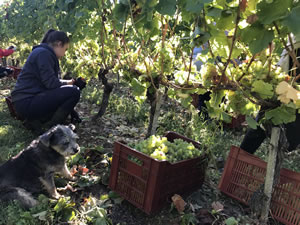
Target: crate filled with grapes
(150,172)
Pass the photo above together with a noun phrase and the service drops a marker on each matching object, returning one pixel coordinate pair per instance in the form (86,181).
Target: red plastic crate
(16,71)
(236,122)
(150,185)
(244,173)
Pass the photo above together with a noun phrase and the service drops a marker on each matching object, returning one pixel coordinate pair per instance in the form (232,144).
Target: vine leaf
(280,115)
(257,37)
(292,21)
(120,13)
(194,6)
(214,12)
(251,122)
(166,7)
(261,42)
(286,92)
(269,12)
(231,221)
(137,87)
(264,89)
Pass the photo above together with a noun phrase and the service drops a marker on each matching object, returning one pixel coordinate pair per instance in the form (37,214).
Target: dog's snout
(76,149)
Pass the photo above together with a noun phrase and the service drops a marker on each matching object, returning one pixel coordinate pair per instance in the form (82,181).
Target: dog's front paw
(56,195)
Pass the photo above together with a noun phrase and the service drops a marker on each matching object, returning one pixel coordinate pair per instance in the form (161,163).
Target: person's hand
(71,82)
(12,47)
(80,82)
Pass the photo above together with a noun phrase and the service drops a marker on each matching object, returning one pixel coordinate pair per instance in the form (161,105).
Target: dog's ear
(72,126)
(47,137)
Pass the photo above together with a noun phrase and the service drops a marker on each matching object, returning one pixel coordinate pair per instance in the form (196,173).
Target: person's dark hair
(53,36)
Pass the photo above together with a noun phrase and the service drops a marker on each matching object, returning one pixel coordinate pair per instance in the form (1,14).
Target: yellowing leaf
(286,92)
(283,99)
(282,87)
(298,103)
(292,94)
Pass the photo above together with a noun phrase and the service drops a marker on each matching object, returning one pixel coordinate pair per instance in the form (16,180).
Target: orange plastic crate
(150,185)
(244,173)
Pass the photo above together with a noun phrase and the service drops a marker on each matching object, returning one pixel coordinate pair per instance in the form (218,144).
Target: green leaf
(138,87)
(185,101)
(225,117)
(214,12)
(292,21)
(68,214)
(252,32)
(270,12)
(101,221)
(216,98)
(41,215)
(231,221)
(166,7)
(120,12)
(281,115)
(251,122)
(124,2)
(257,37)
(194,6)
(261,42)
(227,20)
(264,89)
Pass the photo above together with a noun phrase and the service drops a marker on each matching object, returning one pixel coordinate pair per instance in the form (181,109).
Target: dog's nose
(76,150)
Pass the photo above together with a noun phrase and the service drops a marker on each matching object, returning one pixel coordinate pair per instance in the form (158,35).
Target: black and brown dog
(33,169)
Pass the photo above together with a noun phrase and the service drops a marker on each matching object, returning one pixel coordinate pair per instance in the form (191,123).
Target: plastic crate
(244,174)
(150,185)
(236,122)
(16,71)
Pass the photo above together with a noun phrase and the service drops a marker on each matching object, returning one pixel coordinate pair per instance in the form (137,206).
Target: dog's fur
(32,170)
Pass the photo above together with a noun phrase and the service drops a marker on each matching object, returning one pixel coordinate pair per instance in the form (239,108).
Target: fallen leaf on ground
(178,202)
(83,170)
(217,206)
(73,170)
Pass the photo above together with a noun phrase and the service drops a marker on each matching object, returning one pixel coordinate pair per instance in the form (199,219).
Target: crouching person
(254,137)
(39,96)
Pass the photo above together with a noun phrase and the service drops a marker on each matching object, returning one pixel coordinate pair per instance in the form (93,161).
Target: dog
(32,170)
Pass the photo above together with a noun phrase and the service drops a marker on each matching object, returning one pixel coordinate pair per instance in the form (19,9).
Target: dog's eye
(65,143)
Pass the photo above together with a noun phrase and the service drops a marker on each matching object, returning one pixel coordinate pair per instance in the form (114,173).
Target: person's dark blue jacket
(40,73)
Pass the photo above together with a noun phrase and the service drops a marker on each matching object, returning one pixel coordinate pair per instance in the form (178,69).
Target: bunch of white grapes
(161,149)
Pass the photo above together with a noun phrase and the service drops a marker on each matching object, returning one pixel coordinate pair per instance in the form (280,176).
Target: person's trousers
(254,138)
(44,105)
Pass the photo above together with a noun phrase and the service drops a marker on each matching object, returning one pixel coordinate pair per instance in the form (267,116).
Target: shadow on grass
(13,135)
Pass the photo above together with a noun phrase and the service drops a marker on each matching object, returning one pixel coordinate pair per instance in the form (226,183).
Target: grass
(13,136)
(215,140)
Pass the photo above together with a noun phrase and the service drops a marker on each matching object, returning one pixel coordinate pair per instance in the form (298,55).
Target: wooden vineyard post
(270,174)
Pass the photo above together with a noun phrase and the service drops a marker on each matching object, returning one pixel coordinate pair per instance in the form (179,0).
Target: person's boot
(59,117)
(75,117)
(35,126)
